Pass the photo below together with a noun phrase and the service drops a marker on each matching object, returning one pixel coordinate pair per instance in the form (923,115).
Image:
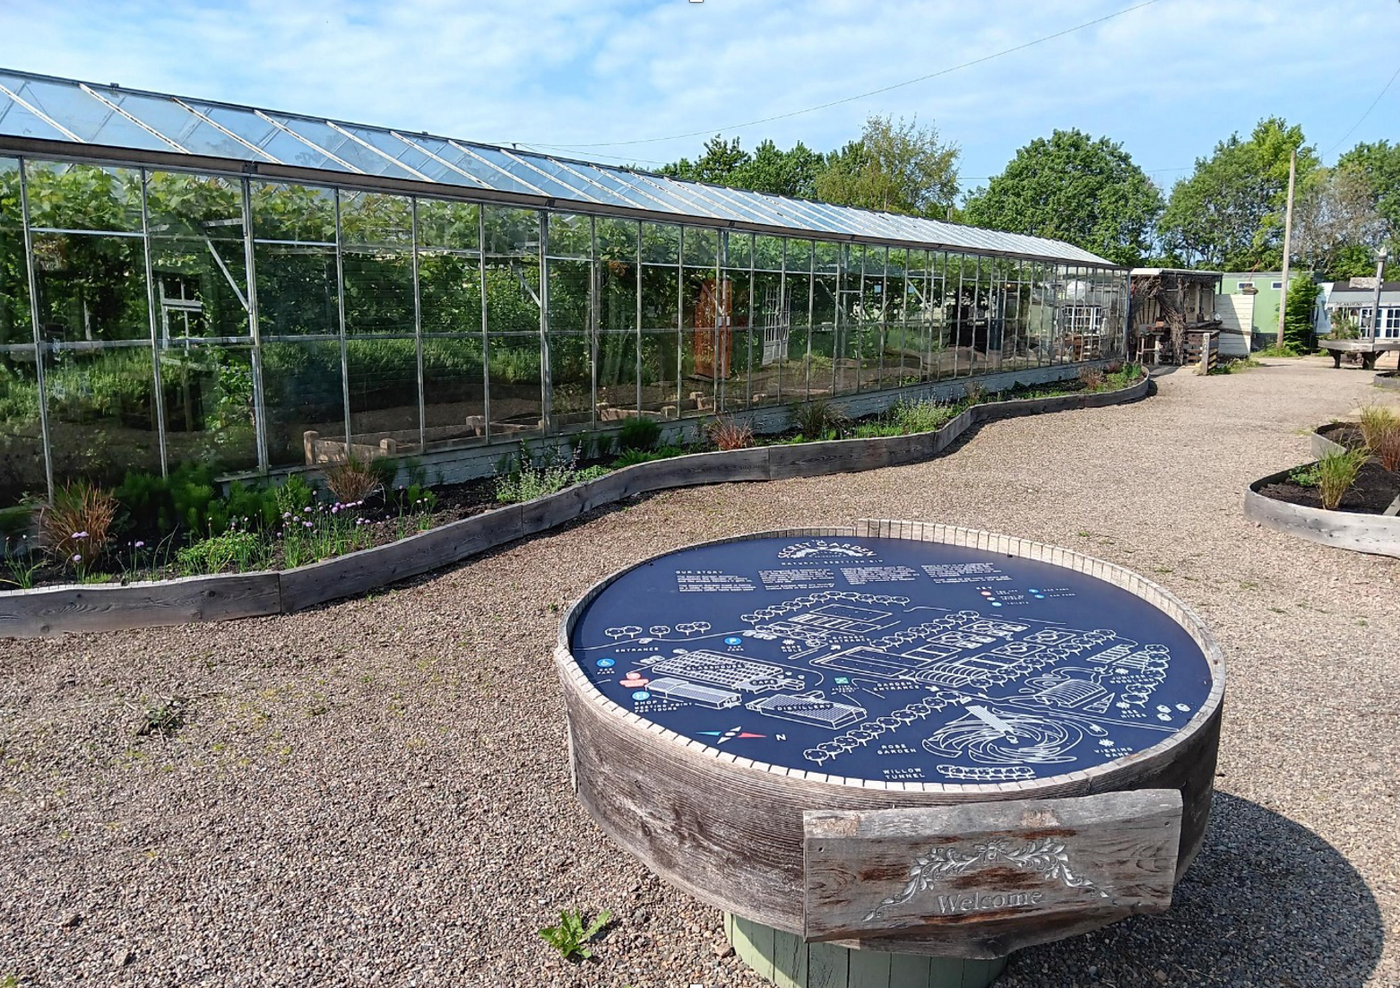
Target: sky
(618,80)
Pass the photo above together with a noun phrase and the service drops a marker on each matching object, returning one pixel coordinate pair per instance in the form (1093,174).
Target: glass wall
(150,318)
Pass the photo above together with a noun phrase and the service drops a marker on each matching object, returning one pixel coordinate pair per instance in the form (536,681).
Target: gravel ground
(375,792)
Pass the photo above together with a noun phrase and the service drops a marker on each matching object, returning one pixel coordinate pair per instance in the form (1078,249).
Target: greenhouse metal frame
(187,281)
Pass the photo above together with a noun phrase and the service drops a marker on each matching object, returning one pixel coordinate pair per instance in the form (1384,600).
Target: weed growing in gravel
(570,935)
(164,718)
(1335,473)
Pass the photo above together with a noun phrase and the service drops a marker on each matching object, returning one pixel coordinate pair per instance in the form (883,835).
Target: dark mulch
(1374,490)
(1346,434)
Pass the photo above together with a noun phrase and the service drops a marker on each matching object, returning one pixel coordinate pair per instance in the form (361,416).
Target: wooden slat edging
(44,611)
(51,610)
(1374,534)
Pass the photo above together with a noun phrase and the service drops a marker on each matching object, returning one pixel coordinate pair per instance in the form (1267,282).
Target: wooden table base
(788,962)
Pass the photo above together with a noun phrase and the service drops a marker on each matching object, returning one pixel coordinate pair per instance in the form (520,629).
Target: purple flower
(77,557)
(286,514)
(140,545)
(80,535)
(307,508)
(306,524)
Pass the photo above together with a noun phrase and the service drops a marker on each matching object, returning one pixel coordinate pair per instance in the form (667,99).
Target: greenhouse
(190,281)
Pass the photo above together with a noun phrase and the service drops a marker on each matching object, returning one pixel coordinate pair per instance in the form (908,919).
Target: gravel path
(375,792)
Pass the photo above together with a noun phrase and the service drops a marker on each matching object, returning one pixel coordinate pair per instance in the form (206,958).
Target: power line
(850,99)
(1364,115)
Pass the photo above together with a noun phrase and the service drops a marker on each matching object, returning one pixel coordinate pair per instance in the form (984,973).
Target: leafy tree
(1071,187)
(1229,212)
(893,167)
(1380,162)
(1336,226)
(768,169)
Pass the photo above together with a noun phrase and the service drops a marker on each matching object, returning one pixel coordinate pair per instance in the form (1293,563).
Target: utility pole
(1287,244)
(1373,331)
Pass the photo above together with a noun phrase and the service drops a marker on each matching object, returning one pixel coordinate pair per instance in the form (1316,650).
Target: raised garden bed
(100,607)
(1364,520)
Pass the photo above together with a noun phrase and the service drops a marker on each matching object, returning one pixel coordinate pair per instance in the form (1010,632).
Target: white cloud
(1168,80)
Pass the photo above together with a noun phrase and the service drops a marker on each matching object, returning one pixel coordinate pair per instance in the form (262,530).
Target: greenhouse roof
(114,123)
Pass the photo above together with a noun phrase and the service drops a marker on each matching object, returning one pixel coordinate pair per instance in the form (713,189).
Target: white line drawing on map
(1003,737)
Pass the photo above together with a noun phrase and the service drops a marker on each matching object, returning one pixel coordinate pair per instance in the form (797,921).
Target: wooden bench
(1368,350)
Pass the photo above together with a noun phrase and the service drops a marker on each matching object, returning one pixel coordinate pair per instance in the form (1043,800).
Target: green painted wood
(788,962)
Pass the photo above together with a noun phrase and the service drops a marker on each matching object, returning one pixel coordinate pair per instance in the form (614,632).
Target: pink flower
(77,557)
(140,545)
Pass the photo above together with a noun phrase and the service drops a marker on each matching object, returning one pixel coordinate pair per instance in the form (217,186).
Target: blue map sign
(891,659)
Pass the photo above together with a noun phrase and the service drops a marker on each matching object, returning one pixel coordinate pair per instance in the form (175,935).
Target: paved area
(376,792)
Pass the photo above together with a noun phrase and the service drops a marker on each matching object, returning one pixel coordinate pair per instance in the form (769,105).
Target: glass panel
(383,396)
(21,436)
(773,379)
(84,197)
(537,183)
(90,119)
(661,243)
(617,319)
(453,386)
(262,134)
(102,413)
(201,288)
(302,387)
(299,213)
(799,314)
(822,363)
(209,406)
(91,288)
(296,290)
(736,344)
(570,342)
(172,120)
(375,219)
(378,291)
(198,207)
(701,246)
(571,236)
(400,151)
(16,121)
(487,176)
(661,349)
(323,135)
(449,225)
(513,318)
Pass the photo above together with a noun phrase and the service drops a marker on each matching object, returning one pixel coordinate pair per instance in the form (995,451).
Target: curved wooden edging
(1374,534)
(652,790)
(1322,446)
(51,610)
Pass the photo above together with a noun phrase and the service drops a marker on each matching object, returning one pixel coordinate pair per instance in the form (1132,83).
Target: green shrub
(922,416)
(639,433)
(1336,472)
(238,548)
(294,495)
(814,419)
(1298,313)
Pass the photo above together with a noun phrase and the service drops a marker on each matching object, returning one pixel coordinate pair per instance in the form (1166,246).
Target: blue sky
(591,78)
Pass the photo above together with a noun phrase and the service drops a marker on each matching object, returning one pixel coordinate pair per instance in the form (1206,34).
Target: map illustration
(891,660)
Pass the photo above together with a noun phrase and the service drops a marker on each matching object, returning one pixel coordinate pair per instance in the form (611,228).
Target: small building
(1249,303)
(1171,309)
(1349,306)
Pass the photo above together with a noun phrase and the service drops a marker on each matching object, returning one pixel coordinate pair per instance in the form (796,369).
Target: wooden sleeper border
(103,607)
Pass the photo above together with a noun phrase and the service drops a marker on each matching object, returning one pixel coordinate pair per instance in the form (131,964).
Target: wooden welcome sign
(960,873)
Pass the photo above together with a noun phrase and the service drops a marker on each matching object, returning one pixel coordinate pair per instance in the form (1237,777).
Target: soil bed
(1374,490)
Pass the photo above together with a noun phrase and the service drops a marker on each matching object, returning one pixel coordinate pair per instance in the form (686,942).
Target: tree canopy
(895,167)
(768,169)
(1229,213)
(1380,163)
(1074,188)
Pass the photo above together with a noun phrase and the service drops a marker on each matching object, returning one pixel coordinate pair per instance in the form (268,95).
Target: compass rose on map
(733,732)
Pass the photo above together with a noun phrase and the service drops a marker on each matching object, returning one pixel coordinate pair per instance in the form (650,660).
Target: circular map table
(718,693)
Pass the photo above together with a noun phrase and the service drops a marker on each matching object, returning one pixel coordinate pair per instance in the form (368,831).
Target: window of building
(1392,322)
(1277,285)
(1241,286)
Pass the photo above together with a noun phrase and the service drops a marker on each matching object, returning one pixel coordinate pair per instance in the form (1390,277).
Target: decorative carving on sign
(1045,856)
